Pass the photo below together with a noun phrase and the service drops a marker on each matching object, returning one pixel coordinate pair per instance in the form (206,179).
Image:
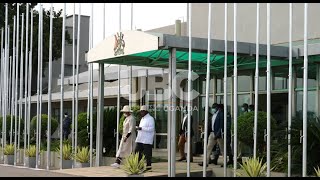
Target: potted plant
(253,167)
(9,154)
(133,167)
(66,156)
(31,156)
(82,157)
(317,171)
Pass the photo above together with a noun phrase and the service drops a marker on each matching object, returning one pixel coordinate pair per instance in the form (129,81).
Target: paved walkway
(19,171)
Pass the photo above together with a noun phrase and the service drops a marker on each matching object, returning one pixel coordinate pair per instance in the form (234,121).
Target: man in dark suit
(215,129)
(183,136)
(229,150)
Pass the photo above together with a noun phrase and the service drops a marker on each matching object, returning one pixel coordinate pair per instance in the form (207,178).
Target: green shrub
(67,153)
(83,135)
(32,151)
(279,147)
(9,149)
(8,126)
(44,126)
(132,164)
(253,168)
(245,129)
(83,154)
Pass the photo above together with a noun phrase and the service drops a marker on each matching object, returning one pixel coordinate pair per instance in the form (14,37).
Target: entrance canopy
(139,48)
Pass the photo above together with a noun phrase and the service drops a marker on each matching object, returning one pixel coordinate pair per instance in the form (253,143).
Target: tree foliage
(56,30)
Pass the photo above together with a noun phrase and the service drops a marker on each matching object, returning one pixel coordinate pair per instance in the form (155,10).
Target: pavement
(20,171)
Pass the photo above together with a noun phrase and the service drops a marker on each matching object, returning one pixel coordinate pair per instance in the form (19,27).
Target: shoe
(182,159)
(115,165)
(201,164)
(149,168)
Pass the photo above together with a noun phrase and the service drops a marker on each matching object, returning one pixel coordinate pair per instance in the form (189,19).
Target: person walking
(127,143)
(183,136)
(146,130)
(66,126)
(215,129)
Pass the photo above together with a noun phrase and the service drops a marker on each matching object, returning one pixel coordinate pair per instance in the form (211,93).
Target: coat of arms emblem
(119,44)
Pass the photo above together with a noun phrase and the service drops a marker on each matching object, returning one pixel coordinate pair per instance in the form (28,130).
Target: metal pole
(62,76)
(256,87)
(5,77)
(89,82)
(73,116)
(118,96)
(49,91)
(207,94)
(38,86)
(40,76)
(12,79)
(13,76)
(130,67)
(173,114)
(1,80)
(100,107)
(225,89)
(30,77)
(77,81)
(290,90)
(235,89)
(91,89)
(21,84)
(26,87)
(305,91)
(268,90)
(16,88)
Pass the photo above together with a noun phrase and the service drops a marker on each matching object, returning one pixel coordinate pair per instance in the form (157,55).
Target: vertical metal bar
(26,87)
(73,116)
(130,67)
(77,80)
(88,89)
(225,96)
(206,114)
(13,76)
(256,87)
(235,87)
(62,77)
(40,76)
(268,89)
(16,88)
(173,114)
(91,89)
(169,119)
(30,77)
(118,96)
(21,84)
(1,80)
(38,86)
(49,91)
(11,84)
(305,91)
(5,77)
(290,90)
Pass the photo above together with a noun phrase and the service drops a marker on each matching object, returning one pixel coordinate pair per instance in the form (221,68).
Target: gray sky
(145,15)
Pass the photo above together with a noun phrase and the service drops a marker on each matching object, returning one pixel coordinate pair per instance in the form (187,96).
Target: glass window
(262,80)
(242,98)
(244,83)
(311,75)
(311,113)
(280,78)
(203,86)
(220,85)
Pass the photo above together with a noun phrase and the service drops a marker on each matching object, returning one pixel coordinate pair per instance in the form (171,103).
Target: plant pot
(9,159)
(135,175)
(67,164)
(31,162)
(82,165)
